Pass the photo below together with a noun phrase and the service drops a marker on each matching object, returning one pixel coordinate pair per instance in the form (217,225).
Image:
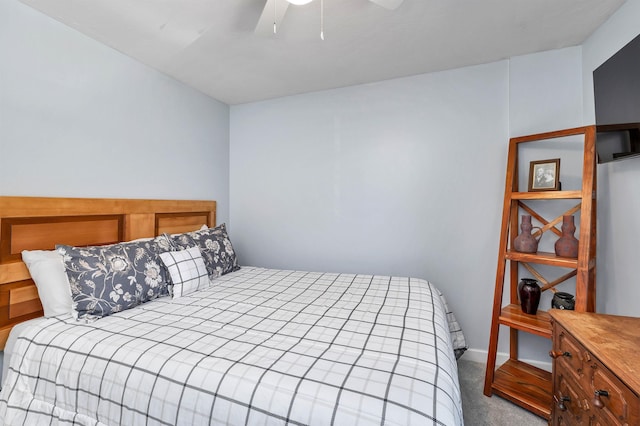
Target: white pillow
(187,270)
(48,272)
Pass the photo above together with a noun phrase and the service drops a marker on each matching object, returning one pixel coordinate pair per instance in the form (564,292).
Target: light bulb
(299,2)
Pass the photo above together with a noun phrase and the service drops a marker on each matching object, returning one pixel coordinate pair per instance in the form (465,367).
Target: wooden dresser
(596,369)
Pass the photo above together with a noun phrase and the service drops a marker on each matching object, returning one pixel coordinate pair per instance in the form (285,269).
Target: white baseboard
(478,355)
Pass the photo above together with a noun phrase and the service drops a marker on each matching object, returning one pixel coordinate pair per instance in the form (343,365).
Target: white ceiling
(211,45)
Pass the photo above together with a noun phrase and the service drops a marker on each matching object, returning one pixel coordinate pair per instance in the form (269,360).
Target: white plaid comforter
(260,347)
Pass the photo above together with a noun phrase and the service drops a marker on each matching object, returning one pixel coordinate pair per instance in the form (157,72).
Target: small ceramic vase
(567,244)
(562,300)
(525,242)
(529,292)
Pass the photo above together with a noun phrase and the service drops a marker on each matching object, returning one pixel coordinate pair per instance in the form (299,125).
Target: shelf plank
(542,258)
(553,134)
(525,385)
(547,195)
(540,323)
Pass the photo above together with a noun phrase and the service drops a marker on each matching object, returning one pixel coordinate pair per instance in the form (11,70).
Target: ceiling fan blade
(265,23)
(388,4)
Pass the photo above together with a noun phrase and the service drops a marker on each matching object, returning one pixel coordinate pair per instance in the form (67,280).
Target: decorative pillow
(187,271)
(48,272)
(215,246)
(109,279)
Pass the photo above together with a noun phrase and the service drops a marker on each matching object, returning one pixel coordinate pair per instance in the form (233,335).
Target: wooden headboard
(37,223)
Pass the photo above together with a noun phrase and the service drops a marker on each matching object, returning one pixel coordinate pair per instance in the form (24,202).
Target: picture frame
(544,175)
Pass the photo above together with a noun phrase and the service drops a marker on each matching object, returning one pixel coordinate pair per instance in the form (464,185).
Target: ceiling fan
(273,13)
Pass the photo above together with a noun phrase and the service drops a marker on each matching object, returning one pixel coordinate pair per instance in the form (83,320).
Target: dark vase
(525,242)
(562,300)
(529,292)
(567,244)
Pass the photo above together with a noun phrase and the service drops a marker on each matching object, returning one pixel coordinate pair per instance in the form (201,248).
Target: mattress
(260,346)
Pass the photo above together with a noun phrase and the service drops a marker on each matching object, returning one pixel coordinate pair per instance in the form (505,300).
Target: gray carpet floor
(480,410)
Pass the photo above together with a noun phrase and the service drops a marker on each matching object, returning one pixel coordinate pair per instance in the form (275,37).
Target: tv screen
(616,85)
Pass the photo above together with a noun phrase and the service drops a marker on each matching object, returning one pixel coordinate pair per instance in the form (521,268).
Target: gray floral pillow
(215,246)
(113,278)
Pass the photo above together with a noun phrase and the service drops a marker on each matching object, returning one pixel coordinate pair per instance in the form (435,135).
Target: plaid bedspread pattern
(260,347)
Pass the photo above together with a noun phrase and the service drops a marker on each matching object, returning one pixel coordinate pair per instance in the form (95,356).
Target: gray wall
(80,119)
(401,177)
(618,182)
(546,94)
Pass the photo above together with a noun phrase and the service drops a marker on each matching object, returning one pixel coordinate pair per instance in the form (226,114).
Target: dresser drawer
(571,357)
(621,405)
(571,404)
(595,353)
(600,421)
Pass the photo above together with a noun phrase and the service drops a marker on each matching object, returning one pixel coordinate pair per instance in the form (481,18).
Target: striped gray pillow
(187,271)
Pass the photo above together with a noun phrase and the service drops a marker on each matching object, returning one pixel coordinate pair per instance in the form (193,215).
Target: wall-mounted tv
(616,85)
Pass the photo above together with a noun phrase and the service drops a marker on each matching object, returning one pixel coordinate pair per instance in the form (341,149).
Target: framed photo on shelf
(544,175)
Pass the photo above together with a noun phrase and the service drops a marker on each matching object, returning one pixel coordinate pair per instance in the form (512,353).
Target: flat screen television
(616,85)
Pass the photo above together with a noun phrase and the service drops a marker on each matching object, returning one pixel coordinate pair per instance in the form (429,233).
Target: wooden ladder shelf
(515,380)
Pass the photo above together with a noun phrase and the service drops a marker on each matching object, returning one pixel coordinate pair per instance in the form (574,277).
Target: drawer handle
(556,354)
(561,402)
(596,399)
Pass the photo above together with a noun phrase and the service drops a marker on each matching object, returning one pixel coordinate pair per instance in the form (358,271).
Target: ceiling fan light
(299,2)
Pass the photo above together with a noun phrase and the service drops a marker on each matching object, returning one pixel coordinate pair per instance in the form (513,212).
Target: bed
(251,346)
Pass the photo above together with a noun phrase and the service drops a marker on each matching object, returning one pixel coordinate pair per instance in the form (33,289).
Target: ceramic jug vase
(525,242)
(567,244)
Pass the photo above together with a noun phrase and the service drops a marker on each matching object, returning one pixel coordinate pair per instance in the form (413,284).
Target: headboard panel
(43,233)
(173,223)
(39,223)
